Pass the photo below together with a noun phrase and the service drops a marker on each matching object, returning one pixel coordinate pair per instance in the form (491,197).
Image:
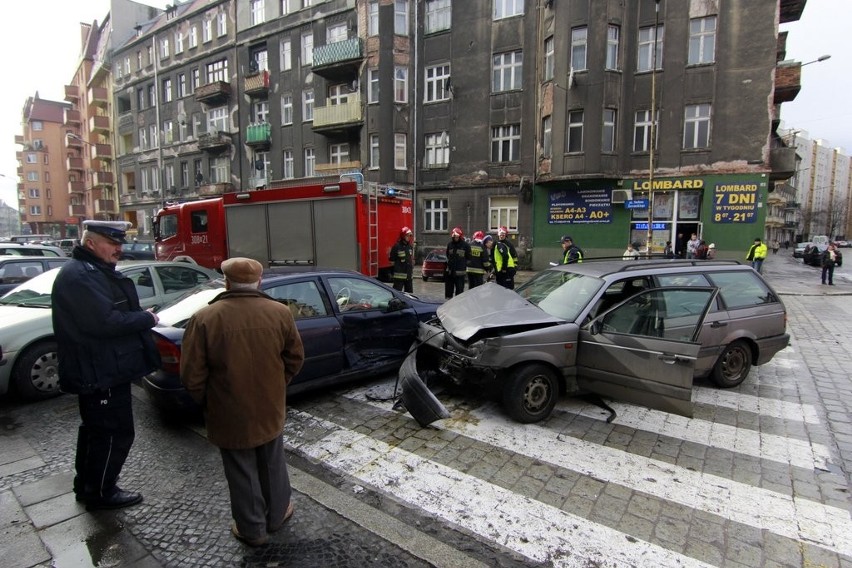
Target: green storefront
(602,216)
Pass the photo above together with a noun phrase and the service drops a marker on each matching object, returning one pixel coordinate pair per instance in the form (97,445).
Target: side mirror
(595,327)
(395,304)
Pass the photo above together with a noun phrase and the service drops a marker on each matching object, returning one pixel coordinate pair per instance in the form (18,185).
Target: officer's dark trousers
(103,440)
(403,285)
(453,284)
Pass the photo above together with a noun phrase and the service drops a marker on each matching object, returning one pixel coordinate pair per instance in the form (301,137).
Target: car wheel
(425,278)
(530,393)
(733,365)
(37,372)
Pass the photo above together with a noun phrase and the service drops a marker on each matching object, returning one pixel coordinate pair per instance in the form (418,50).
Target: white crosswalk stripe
(765,407)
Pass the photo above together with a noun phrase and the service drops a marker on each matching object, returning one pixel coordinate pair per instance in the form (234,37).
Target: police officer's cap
(565,239)
(115,231)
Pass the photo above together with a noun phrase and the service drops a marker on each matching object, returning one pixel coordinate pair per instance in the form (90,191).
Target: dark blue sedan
(352,326)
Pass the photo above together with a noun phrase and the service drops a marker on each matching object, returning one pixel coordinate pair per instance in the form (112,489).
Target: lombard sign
(668,184)
(735,202)
(580,206)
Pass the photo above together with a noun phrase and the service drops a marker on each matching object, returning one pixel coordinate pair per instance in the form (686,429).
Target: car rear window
(742,289)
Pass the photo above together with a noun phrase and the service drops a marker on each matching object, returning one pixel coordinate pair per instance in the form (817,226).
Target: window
(168,133)
(143,139)
(193,37)
(261,111)
(336,33)
(286,109)
(373,18)
(155,178)
(374,151)
(260,57)
(508,8)
(150,50)
(307,3)
(153,136)
(547,136)
(195,80)
(164,48)
(575,131)
(32,158)
(338,94)
(507,71)
(138,60)
(256,11)
(696,126)
(286,55)
(308,49)
(307,105)
(127,65)
(143,174)
(642,131)
(206,30)
(437,150)
(35,210)
(197,169)
(32,176)
(285,7)
(437,83)
(400,17)
(702,40)
(217,120)
(503,212)
(400,85)
(608,138)
(613,34)
(399,149)
(181,85)
(217,71)
(506,143)
(184,174)
(338,153)
(33,193)
(152,95)
(140,98)
(170,176)
(579,48)
(647,54)
(167,90)
(264,172)
(219,170)
(548,59)
(310,162)
(222,24)
(178,42)
(438,15)
(287,171)
(435,215)
(373,85)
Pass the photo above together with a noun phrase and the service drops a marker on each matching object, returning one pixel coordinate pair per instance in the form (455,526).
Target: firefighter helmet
(457,232)
(478,236)
(405,231)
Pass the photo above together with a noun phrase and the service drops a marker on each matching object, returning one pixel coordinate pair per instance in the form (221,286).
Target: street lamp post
(819,59)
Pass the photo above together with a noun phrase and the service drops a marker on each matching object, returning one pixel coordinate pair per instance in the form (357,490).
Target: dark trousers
(453,285)
(475,279)
(403,285)
(828,271)
(103,440)
(259,486)
(506,278)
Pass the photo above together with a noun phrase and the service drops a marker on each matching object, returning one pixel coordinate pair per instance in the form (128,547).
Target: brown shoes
(286,518)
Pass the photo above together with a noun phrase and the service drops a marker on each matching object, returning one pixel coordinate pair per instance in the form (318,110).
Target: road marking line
(765,407)
(537,531)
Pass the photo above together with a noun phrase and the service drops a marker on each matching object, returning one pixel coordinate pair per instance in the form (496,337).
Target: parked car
(351,325)
(30,249)
(434,265)
(637,331)
(67,245)
(813,254)
(26,328)
(137,251)
(15,270)
(799,251)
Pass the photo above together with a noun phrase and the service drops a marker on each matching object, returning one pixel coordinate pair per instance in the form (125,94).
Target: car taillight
(169,354)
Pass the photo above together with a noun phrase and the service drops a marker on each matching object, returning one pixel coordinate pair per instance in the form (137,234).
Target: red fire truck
(340,224)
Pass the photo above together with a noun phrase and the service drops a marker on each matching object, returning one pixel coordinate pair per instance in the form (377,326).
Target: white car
(26,325)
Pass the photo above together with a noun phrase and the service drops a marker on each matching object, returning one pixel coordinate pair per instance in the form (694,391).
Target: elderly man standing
(238,355)
(104,342)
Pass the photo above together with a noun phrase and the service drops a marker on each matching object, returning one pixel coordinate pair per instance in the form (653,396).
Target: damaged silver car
(637,332)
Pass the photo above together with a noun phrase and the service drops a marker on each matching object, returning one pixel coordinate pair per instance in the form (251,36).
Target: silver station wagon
(634,331)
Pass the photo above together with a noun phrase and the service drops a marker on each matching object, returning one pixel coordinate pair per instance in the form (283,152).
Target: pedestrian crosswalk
(628,490)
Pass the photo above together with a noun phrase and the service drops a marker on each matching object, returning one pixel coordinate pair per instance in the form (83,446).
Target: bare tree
(836,216)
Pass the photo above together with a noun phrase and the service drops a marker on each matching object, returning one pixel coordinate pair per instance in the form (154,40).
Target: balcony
(259,134)
(791,224)
(775,198)
(72,93)
(338,168)
(73,142)
(214,189)
(100,179)
(791,10)
(213,93)
(257,84)
(99,124)
(213,141)
(19,139)
(74,164)
(336,119)
(20,170)
(127,198)
(98,96)
(788,81)
(338,60)
(773,221)
(76,186)
(77,210)
(102,152)
(782,162)
(105,206)
(791,205)
(72,116)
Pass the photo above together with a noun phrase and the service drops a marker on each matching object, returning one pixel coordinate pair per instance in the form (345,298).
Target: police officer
(571,253)
(479,257)
(458,253)
(104,343)
(505,259)
(402,257)
(488,258)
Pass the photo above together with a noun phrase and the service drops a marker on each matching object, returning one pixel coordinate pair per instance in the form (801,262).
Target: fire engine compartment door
(336,237)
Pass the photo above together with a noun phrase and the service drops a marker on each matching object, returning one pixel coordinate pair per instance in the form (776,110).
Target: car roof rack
(676,262)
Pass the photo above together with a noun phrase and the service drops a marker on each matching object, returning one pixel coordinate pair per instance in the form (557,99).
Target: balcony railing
(773,221)
(99,123)
(788,81)
(217,91)
(337,53)
(792,205)
(74,164)
(127,198)
(105,206)
(782,162)
(100,179)
(214,189)
(337,168)
(75,210)
(72,93)
(257,84)
(72,116)
(213,141)
(77,186)
(258,134)
(102,152)
(19,139)
(335,116)
(98,96)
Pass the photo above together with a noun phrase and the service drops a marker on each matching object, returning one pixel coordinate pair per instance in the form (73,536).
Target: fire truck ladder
(373,227)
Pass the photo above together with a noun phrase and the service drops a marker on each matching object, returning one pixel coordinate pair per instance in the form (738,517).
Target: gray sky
(46,62)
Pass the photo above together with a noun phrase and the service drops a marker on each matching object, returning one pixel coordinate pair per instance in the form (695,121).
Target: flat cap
(115,231)
(242,270)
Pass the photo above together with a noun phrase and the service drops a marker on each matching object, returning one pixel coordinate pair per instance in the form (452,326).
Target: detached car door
(644,350)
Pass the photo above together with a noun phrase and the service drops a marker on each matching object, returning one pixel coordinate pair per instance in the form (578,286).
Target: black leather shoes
(117,500)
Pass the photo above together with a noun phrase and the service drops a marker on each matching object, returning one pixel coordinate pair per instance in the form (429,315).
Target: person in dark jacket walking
(402,257)
(458,254)
(830,258)
(479,258)
(104,342)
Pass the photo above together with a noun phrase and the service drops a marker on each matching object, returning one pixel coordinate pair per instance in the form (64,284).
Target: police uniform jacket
(237,357)
(103,335)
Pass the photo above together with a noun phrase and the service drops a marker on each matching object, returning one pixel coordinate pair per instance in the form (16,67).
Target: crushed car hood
(490,306)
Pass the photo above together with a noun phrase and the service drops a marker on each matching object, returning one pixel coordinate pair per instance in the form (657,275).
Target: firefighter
(505,259)
(477,263)
(458,254)
(571,253)
(402,257)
